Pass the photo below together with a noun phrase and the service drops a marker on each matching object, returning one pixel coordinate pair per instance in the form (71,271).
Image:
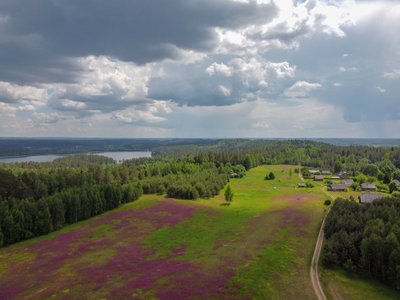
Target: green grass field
(258,247)
(341,285)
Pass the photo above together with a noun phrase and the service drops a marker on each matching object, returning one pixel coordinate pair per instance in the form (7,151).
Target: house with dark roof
(337,187)
(318,178)
(348,182)
(369,197)
(368,187)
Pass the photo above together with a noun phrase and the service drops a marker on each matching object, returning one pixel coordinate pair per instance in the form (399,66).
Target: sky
(200,68)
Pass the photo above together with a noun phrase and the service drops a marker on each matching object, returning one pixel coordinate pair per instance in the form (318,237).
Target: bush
(327,202)
(270,176)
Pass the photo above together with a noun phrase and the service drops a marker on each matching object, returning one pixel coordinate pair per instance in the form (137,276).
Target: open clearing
(260,246)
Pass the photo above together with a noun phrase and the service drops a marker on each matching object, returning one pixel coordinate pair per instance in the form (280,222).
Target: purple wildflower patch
(62,262)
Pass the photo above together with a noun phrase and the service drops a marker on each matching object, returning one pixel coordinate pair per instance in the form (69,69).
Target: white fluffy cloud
(148,115)
(219,68)
(301,89)
(13,93)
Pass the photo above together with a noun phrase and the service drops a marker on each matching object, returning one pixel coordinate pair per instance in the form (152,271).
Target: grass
(258,235)
(341,285)
(260,247)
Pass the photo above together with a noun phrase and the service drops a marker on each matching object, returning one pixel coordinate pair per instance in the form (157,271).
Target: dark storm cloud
(39,37)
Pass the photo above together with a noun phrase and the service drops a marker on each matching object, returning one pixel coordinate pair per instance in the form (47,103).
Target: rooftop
(368,186)
(318,177)
(338,187)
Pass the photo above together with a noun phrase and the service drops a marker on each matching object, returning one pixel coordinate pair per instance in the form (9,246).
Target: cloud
(12,93)
(148,115)
(219,68)
(7,110)
(282,70)
(261,124)
(380,89)
(301,89)
(44,119)
(394,74)
(349,69)
(41,35)
(190,66)
(105,85)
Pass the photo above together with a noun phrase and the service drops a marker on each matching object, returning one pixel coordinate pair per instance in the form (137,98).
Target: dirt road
(314,265)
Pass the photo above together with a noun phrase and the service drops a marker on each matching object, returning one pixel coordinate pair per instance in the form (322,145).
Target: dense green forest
(36,198)
(365,238)
(36,201)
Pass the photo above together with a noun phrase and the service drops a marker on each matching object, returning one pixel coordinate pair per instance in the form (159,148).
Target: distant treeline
(42,146)
(69,161)
(365,239)
(305,152)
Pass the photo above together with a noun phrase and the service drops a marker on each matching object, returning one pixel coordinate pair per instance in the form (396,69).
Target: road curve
(319,292)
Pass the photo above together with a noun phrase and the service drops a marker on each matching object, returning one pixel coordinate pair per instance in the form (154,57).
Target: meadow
(259,246)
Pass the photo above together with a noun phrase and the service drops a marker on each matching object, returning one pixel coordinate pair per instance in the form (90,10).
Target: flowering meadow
(258,246)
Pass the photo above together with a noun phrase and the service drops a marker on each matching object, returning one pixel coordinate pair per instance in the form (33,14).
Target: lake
(117,156)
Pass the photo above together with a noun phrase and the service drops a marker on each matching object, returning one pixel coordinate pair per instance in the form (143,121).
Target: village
(343,182)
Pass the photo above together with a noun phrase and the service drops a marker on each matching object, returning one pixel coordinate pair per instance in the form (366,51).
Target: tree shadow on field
(225,204)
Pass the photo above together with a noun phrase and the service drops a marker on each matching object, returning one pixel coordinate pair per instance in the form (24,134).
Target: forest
(365,239)
(37,198)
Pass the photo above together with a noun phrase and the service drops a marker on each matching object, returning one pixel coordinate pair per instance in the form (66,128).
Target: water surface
(117,156)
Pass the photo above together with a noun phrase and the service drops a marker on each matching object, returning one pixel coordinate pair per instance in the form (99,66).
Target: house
(348,182)
(338,187)
(318,178)
(313,171)
(234,175)
(326,172)
(343,174)
(335,178)
(368,187)
(301,185)
(369,197)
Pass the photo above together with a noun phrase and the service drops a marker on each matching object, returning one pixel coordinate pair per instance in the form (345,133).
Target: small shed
(301,185)
(368,187)
(338,187)
(369,197)
(335,178)
(318,178)
(314,171)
